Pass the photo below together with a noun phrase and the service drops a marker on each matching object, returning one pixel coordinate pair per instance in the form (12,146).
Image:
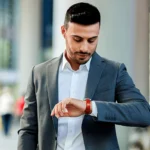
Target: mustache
(85,53)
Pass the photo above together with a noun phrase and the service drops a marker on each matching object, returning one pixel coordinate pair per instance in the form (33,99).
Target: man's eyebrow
(77,36)
(94,37)
(82,37)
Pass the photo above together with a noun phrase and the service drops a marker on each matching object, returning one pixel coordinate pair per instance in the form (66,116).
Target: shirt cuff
(94,109)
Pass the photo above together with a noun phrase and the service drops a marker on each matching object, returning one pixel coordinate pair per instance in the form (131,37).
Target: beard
(80,57)
(81,61)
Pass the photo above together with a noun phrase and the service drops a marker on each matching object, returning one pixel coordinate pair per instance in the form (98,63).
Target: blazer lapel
(52,86)
(96,69)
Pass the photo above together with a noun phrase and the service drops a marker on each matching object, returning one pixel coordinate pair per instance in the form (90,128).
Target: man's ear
(63,31)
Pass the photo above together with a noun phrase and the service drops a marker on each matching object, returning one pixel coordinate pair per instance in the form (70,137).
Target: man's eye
(91,41)
(77,39)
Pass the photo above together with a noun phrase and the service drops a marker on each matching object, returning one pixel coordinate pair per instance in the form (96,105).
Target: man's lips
(83,54)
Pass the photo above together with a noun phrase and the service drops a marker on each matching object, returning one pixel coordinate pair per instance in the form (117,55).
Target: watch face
(88,109)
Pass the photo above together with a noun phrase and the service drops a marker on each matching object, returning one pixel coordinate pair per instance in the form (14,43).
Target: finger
(60,109)
(56,111)
(53,112)
(68,100)
(66,115)
(64,109)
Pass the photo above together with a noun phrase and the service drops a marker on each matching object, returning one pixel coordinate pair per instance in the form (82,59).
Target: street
(9,142)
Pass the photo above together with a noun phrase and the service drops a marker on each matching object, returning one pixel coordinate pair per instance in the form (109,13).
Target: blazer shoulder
(42,66)
(111,63)
(39,70)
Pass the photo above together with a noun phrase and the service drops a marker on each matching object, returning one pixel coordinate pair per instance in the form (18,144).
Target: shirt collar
(65,64)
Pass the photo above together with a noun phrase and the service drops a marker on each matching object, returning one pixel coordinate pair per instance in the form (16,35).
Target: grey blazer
(117,99)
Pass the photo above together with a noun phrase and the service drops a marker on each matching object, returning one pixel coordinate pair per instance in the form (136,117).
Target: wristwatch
(88,109)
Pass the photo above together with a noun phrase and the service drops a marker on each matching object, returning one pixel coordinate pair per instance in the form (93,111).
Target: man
(70,102)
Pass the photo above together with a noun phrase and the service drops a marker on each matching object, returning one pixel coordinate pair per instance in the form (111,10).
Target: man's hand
(69,107)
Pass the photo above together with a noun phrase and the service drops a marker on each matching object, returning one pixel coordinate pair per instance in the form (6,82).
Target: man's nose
(84,46)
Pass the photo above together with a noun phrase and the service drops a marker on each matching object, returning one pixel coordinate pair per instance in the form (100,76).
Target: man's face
(81,41)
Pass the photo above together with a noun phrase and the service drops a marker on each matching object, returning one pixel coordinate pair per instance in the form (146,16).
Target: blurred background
(30,34)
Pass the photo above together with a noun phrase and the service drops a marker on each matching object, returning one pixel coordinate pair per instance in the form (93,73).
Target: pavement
(9,142)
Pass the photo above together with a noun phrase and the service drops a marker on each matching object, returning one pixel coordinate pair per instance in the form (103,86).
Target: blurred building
(25,38)
(30,34)
(8,51)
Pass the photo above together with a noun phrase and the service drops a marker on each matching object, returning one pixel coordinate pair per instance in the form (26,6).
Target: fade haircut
(82,13)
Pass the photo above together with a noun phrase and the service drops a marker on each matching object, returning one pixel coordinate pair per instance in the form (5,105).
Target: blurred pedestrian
(6,109)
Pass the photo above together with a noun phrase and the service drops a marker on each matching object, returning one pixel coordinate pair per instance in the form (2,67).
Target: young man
(70,102)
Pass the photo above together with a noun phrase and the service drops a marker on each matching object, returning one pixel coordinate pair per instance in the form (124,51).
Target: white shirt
(72,84)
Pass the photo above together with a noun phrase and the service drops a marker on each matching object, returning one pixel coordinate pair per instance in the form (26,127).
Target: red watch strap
(88,109)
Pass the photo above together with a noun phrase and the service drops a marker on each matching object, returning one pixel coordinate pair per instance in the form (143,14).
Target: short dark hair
(82,13)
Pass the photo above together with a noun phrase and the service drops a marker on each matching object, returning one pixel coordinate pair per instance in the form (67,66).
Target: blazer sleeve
(28,132)
(131,110)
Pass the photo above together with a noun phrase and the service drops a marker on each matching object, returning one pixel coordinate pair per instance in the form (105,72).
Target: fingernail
(65,110)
